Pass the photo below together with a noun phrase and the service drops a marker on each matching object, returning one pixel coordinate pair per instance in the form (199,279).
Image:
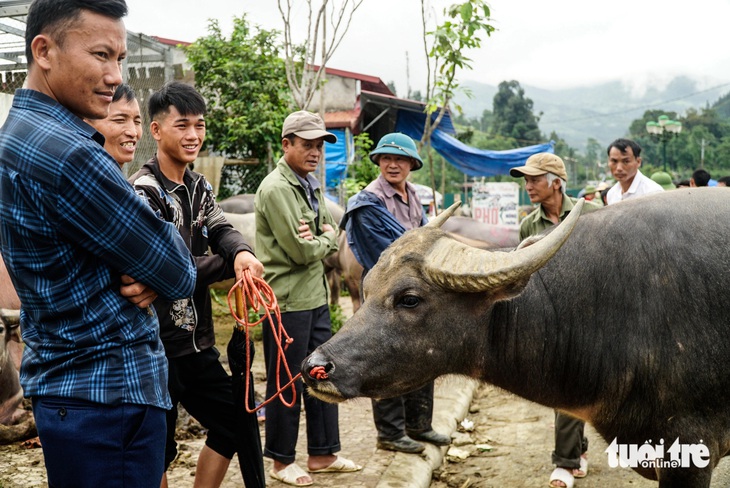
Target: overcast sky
(547,44)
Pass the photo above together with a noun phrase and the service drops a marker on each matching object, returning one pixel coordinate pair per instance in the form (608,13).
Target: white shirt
(640,186)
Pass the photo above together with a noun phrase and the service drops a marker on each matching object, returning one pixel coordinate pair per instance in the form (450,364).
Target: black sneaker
(432,437)
(402,444)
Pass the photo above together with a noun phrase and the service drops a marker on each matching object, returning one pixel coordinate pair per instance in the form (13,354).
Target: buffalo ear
(509,290)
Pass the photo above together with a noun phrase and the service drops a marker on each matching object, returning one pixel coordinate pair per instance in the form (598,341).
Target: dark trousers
(409,413)
(88,444)
(199,382)
(308,329)
(570,442)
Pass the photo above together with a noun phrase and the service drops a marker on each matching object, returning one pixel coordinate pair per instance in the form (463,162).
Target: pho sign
(496,204)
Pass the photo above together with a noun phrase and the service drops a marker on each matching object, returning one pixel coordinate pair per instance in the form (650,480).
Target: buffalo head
(423,316)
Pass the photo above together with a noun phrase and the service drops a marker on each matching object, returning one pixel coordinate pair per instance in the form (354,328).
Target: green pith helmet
(664,179)
(400,144)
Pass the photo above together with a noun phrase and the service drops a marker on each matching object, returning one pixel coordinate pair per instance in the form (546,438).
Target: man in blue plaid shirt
(87,256)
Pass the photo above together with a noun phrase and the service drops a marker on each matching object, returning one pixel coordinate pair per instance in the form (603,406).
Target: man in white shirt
(624,161)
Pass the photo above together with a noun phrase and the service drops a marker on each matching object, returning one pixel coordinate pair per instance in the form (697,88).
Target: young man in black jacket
(197,379)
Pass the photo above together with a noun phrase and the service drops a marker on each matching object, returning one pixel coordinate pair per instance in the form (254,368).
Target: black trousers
(409,413)
(308,329)
(570,442)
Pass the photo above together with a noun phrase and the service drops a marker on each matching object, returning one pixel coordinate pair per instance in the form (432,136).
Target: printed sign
(496,203)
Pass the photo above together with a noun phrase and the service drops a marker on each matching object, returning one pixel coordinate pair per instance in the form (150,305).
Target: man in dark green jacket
(294,233)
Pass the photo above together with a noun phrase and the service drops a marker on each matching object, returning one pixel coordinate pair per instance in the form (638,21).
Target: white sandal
(290,475)
(562,475)
(581,472)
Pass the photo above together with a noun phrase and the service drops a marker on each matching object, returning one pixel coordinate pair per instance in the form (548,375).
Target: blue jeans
(87,444)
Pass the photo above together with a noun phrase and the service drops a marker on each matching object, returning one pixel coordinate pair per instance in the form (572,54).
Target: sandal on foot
(339,465)
(290,475)
(561,475)
(581,472)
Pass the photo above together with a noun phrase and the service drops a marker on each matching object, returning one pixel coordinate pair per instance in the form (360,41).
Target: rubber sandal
(562,475)
(581,472)
(339,465)
(290,475)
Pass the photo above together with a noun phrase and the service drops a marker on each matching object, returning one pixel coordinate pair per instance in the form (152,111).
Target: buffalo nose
(316,367)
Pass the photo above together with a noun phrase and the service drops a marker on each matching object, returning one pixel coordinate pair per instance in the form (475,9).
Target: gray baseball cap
(307,126)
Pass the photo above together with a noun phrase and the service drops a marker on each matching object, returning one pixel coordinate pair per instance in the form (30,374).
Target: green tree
(243,80)
(244,83)
(446,55)
(362,171)
(513,116)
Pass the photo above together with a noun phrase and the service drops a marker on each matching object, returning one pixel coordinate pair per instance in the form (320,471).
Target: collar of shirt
(565,209)
(310,184)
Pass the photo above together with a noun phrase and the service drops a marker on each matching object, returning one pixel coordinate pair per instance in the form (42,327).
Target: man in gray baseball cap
(294,233)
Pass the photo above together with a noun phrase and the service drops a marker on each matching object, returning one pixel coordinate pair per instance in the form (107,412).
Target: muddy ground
(515,439)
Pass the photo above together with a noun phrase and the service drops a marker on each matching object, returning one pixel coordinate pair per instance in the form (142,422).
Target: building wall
(6,101)
(340,94)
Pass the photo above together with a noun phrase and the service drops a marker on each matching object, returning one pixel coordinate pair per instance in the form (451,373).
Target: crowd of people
(113,273)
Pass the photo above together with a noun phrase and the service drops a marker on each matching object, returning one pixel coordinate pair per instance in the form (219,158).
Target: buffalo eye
(409,301)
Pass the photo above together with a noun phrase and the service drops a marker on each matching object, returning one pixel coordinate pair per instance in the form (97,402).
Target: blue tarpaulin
(337,158)
(469,160)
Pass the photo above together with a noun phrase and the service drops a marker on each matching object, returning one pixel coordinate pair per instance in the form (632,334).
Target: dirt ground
(516,440)
(509,446)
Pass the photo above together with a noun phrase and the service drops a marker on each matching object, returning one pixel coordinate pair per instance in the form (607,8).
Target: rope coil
(253,292)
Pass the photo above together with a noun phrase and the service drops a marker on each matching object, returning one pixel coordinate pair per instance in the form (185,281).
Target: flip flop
(290,475)
(339,465)
(562,475)
(581,472)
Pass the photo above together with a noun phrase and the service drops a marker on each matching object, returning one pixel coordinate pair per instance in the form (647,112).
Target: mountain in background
(603,112)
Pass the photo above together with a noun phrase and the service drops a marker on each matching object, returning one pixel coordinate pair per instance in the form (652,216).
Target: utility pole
(702,153)
(408,78)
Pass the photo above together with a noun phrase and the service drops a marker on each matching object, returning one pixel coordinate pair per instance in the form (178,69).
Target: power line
(641,107)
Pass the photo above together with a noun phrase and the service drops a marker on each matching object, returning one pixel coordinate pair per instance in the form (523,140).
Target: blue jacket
(374,229)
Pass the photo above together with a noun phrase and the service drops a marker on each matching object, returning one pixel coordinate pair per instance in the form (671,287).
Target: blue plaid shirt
(71,226)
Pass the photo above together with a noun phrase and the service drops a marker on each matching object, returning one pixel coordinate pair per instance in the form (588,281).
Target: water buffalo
(238,204)
(11,394)
(622,322)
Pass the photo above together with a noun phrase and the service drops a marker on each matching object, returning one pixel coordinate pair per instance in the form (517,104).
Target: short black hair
(725,180)
(55,17)
(623,144)
(182,96)
(124,91)
(701,177)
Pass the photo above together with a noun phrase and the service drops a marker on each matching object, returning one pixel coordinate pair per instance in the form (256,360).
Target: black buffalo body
(626,326)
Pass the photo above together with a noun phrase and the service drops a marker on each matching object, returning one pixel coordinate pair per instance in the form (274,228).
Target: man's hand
(246,260)
(304,231)
(137,293)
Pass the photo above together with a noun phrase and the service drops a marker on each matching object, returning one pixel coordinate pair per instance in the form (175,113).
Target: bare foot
(320,462)
(302,480)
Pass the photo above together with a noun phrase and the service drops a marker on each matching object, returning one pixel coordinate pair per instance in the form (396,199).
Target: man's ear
(42,46)
(155,130)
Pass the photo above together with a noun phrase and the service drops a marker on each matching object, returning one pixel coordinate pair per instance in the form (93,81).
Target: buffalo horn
(439,220)
(459,267)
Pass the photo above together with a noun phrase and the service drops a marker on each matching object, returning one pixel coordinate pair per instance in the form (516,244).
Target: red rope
(256,293)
